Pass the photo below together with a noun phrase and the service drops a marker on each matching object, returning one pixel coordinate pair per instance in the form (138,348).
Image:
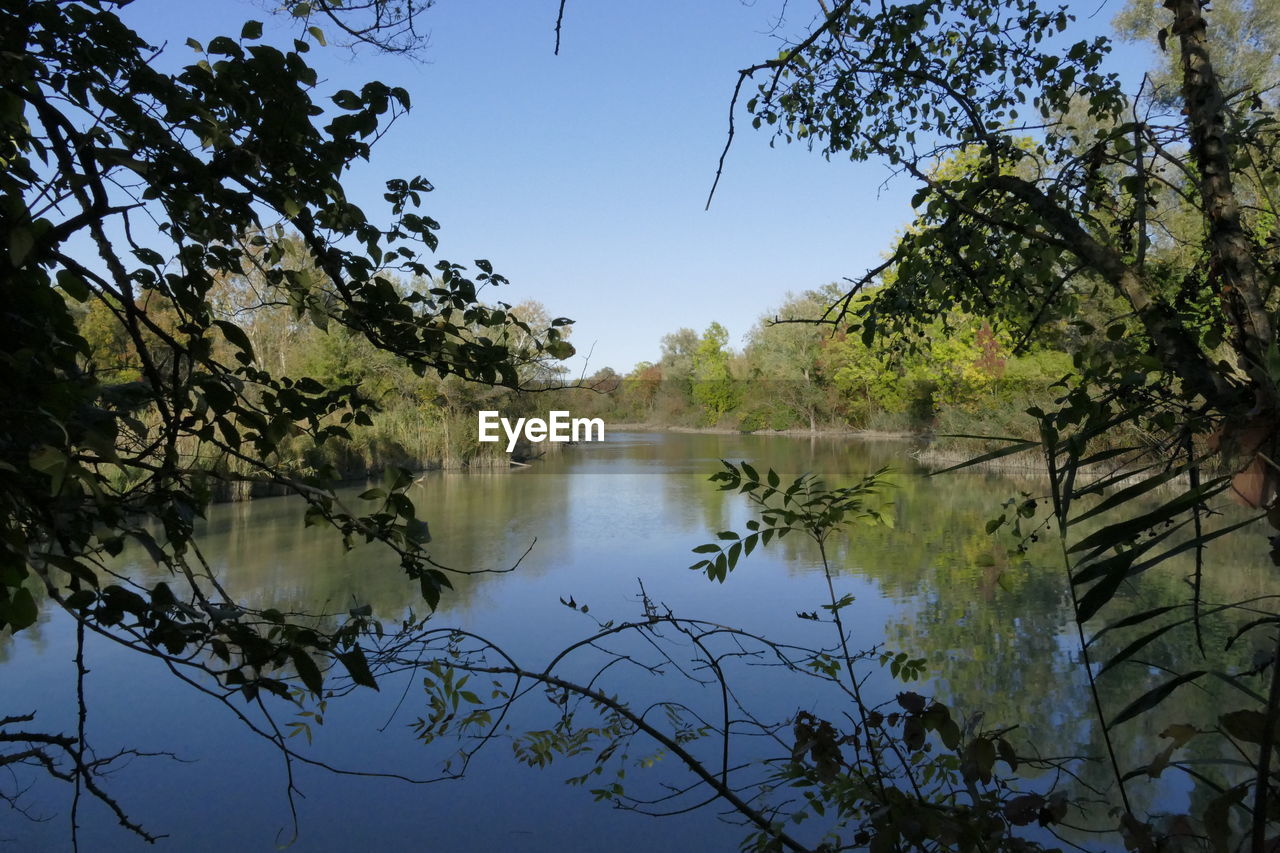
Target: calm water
(606,518)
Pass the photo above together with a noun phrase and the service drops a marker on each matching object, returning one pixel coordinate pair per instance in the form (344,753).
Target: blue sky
(583,176)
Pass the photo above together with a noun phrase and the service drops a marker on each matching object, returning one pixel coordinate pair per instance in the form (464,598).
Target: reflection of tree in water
(835,460)
(1236,568)
(997,632)
(34,636)
(999,636)
(484,521)
(264,555)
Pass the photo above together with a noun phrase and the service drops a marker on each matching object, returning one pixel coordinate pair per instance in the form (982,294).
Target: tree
(713,386)
(677,356)
(541,367)
(909,84)
(1163,207)
(131,202)
(674,395)
(215,155)
(784,354)
(1247,39)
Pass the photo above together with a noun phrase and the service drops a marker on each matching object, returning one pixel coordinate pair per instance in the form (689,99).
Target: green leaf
(1239,685)
(1137,619)
(53,462)
(1100,593)
(1121,562)
(73,285)
(1217,817)
(982,753)
(251,30)
(1128,494)
(417,531)
(1020,447)
(307,670)
(21,242)
(949,732)
(358,667)
(1123,531)
(1104,455)
(346,99)
(236,336)
(1127,652)
(1191,543)
(318,35)
(1246,725)
(1180,733)
(19,611)
(224,46)
(560,349)
(430,589)
(1154,696)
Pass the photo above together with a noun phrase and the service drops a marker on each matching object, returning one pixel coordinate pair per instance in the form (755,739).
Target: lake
(603,520)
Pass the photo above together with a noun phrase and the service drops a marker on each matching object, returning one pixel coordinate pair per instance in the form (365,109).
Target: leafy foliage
(840,771)
(134,202)
(1140,230)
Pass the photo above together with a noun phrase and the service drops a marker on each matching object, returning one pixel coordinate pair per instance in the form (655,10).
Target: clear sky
(583,176)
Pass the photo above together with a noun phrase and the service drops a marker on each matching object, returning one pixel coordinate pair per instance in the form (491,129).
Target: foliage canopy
(133,200)
(144,208)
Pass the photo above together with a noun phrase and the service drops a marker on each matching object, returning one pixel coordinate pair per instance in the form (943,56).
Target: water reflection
(606,518)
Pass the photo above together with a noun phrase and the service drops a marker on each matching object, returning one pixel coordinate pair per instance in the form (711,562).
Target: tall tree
(1029,234)
(911,83)
(783,352)
(714,389)
(1246,35)
(134,196)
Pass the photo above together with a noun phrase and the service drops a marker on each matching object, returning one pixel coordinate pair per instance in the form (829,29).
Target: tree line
(416,420)
(796,373)
(172,236)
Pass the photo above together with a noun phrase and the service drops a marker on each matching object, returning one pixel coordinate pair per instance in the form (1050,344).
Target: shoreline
(925,455)
(866,434)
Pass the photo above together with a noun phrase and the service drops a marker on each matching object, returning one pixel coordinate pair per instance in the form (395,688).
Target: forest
(792,374)
(198,311)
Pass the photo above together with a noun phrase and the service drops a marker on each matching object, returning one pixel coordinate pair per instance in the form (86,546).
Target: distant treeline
(421,421)
(963,376)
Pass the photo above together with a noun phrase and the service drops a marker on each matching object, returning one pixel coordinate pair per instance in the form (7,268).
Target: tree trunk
(1241,280)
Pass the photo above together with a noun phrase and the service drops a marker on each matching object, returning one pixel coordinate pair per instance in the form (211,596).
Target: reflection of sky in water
(606,517)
